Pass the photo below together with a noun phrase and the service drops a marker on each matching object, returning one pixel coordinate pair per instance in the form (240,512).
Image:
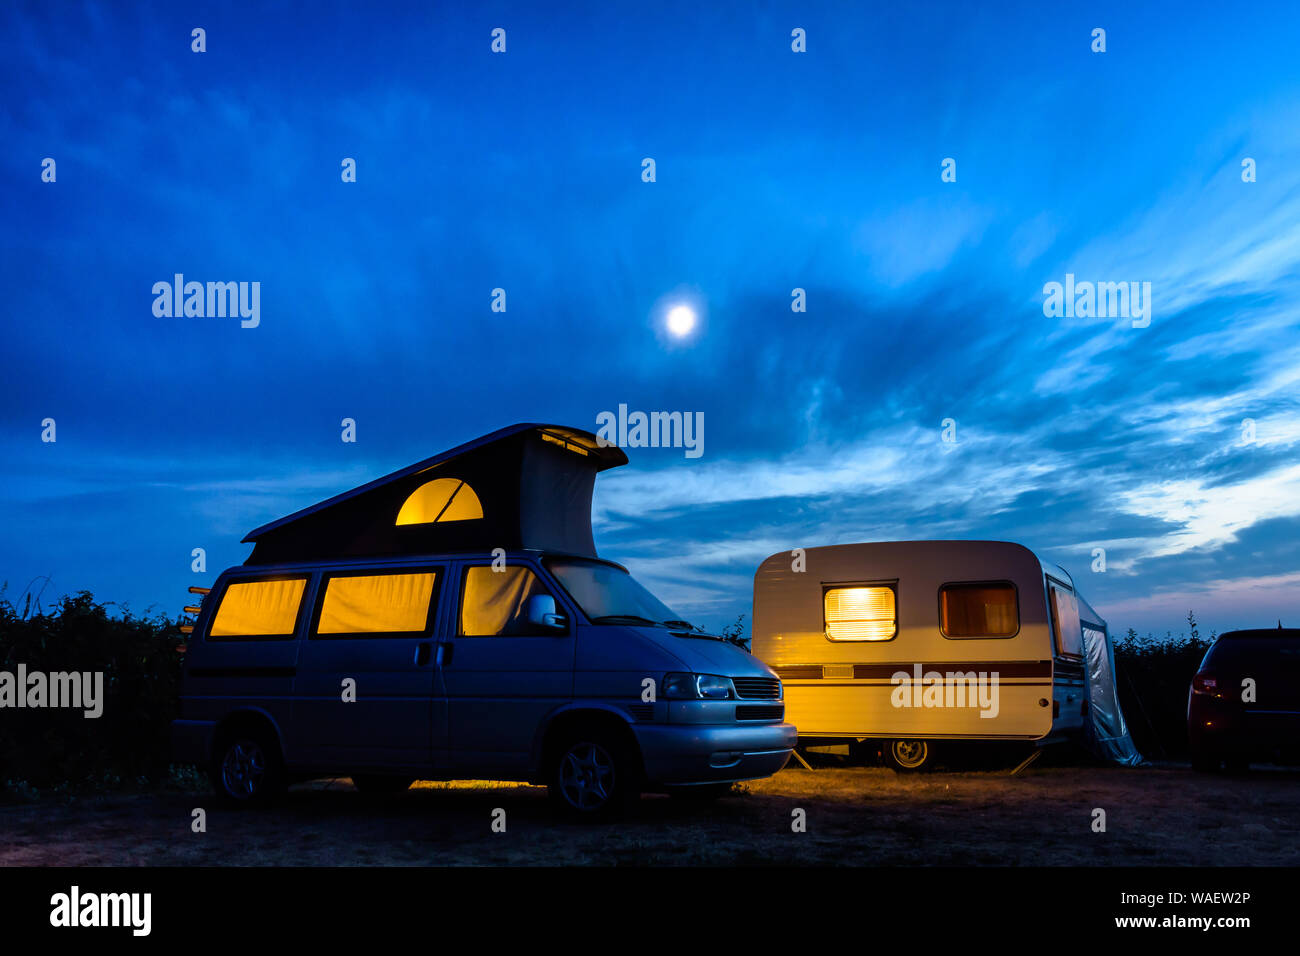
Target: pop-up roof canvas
(525,486)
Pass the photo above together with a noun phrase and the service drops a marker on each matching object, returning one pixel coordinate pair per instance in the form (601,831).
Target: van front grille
(757,688)
(760,712)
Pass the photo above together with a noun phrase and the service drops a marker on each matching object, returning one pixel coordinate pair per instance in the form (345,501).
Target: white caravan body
(922,640)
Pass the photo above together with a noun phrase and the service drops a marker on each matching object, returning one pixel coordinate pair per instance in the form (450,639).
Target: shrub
(1154,675)
(47,747)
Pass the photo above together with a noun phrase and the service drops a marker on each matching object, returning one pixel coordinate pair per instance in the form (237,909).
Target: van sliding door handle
(445,649)
(422,653)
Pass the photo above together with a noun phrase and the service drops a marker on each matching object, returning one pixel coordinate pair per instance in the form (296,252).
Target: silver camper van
(452,621)
(908,645)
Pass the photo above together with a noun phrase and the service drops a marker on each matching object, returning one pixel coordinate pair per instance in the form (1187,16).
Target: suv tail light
(1205,684)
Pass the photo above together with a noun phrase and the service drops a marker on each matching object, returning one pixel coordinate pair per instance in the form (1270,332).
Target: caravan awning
(525,486)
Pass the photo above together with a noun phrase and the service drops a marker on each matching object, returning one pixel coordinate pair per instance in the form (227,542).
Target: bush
(1154,675)
(41,748)
(735,633)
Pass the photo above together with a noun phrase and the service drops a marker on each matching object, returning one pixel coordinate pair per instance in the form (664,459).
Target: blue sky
(775,170)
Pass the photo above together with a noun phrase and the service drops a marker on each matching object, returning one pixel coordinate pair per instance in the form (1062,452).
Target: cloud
(1209,516)
(1248,601)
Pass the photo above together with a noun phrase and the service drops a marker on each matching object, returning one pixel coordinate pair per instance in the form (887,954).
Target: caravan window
(378,604)
(979,610)
(492,602)
(861,613)
(1065,622)
(266,609)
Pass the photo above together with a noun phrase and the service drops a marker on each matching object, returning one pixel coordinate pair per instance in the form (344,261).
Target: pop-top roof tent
(1105,729)
(524,486)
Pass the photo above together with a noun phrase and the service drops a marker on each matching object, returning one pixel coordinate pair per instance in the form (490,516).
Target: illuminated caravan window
(1066,627)
(979,610)
(259,609)
(443,499)
(377,604)
(866,613)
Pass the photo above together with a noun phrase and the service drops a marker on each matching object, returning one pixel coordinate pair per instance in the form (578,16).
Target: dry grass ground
(855,816)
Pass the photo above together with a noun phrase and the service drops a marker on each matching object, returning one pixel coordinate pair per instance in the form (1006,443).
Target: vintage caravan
(453,621)
(915,644)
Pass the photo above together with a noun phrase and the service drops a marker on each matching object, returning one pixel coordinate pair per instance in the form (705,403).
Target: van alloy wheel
(243,769)
(909,754)
(587,776)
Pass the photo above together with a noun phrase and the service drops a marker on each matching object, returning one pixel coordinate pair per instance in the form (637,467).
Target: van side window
(492,602)
(387,604)
(861,613)
(979,610)
(1066,628)
(252,610)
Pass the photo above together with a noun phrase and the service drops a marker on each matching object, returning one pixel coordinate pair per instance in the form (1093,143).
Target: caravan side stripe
(1005,669)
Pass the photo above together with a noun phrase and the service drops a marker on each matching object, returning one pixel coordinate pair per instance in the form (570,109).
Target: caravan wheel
(908,755)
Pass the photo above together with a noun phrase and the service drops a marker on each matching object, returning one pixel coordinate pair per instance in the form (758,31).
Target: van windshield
(609,595)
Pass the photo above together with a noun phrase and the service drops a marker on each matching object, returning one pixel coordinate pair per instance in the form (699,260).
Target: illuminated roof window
(569,444)
(443,499)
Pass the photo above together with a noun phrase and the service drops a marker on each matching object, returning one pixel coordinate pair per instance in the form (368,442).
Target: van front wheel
(592,777)
(909,755)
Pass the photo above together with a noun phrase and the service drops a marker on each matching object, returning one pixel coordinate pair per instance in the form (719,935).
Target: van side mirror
(541,613)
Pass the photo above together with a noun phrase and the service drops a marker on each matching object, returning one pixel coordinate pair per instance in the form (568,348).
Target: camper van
(452,621)
(913,645)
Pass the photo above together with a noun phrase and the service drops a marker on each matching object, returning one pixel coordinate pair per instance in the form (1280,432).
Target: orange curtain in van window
(259,607)
(376,603)
(493,602)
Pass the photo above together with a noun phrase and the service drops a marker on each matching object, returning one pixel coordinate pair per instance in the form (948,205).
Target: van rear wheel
(593,776)
(909,756)
(247,770)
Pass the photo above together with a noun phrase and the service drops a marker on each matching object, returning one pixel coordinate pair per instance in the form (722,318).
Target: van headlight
(698,687)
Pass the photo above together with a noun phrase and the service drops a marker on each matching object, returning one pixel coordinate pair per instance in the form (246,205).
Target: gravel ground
(1162,815)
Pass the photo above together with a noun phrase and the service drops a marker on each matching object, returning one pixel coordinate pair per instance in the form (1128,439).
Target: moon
(681,320)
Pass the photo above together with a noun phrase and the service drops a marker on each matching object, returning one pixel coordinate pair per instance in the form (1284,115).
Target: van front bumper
(192,741)
(683,754)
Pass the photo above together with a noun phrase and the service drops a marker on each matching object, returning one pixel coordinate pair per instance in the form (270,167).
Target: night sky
(775,170)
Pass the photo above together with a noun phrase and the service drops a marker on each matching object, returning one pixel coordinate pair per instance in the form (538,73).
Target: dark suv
(1244,702)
